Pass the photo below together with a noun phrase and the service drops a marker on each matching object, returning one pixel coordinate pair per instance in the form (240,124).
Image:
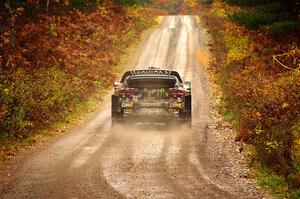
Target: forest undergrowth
(57,63)
(256,60)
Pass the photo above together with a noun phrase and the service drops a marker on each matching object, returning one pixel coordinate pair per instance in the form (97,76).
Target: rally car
(159,94)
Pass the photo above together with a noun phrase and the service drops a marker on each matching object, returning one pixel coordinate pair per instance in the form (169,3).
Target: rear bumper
(164,105)
(151,117)
(152,113)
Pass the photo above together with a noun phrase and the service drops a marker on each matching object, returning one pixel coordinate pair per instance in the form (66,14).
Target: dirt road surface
(141,161)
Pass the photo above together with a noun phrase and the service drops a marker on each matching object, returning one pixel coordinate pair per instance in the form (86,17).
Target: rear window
(151,82)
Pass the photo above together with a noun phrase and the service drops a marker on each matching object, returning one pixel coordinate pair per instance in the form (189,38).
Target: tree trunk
(47,6)
(7,5)
(10,13)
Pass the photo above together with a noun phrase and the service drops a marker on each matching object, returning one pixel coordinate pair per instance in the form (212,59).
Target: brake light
(126,91)
(180,91)
(175,91)
(130,90)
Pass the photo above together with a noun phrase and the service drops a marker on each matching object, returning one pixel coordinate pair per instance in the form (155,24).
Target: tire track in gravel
(185,180)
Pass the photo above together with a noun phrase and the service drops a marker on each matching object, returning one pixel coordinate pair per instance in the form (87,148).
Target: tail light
(126,91)
(175,91)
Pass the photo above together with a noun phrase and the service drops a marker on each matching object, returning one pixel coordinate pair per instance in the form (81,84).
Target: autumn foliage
(261,95)
(52,61)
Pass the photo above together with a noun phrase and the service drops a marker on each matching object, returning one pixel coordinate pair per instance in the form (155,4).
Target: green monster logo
(161,93)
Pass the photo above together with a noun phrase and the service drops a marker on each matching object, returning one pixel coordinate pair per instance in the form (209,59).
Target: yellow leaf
(285,105)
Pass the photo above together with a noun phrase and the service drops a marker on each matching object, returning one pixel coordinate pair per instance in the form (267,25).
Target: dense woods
(56,54)
(257,62)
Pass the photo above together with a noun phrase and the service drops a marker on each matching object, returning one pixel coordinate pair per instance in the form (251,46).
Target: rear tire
(117,113)
(188,120)
(187,112)
(185,117)
(117,118)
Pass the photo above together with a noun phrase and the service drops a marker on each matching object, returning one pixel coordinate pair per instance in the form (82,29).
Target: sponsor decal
(150,72)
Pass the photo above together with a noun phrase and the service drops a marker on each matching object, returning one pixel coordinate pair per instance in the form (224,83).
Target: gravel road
(143,161)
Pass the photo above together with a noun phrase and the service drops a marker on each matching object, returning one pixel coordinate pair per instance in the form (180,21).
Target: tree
(132,2)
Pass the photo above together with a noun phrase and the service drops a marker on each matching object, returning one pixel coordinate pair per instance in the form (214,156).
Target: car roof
(151,73)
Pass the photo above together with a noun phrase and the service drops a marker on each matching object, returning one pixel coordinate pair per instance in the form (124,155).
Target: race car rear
(151,95)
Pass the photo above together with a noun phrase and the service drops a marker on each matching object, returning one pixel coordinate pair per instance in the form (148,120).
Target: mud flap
(115,106)
(188,109)
(188,103)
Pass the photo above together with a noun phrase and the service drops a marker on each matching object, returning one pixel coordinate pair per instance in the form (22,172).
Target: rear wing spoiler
(152,72)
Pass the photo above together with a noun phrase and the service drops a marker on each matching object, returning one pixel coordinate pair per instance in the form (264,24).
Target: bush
(283,27)
(238,47)
(296,147)
(246,3)
(33,99)
(270,7)
(132,2)
(276,108)
(218,12)
(82,3)
(253,20)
